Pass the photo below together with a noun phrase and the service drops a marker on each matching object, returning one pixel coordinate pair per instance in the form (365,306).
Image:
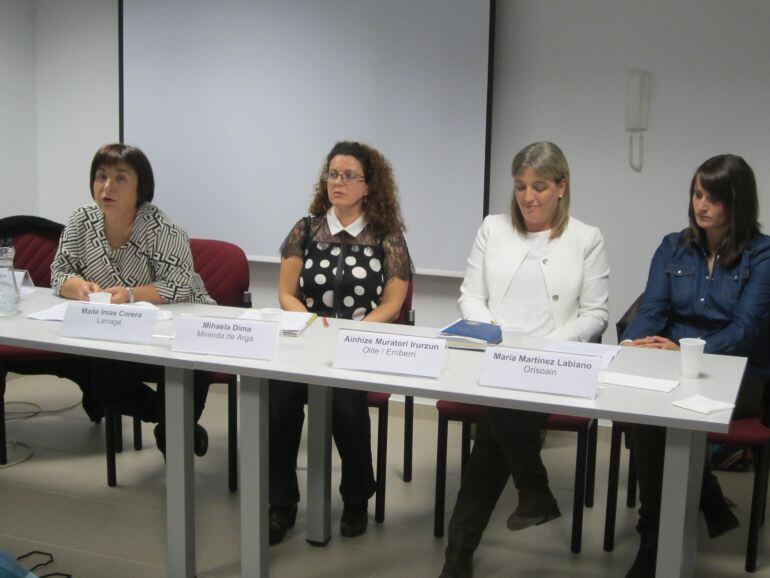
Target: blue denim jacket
(729,309)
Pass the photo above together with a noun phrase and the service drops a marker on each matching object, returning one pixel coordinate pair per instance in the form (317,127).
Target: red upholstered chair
(468,414)
(224,270)
(744,433)
(225,273)
(619,429)
(35,241)
(751,433)
(380,401)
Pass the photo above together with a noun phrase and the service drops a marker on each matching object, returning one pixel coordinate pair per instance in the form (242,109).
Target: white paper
(56,313)
(637,381)
(606,352)
(702,404)
(292,322)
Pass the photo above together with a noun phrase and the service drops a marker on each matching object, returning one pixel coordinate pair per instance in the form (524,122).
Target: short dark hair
(729,180)
(111,154)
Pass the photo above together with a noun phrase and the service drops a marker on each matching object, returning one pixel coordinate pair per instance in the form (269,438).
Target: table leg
(180,473)
(254,414)
(319,460)
(682,476)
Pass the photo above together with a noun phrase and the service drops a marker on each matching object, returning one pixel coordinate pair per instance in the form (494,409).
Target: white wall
(18,156)
(560,75)
(77,97)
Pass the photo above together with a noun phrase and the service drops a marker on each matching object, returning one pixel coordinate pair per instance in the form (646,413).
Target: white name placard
(389,353)
(226,336)
(108,322)
(541,371)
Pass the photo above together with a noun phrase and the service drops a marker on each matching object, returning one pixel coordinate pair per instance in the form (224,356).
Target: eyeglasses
(348,177)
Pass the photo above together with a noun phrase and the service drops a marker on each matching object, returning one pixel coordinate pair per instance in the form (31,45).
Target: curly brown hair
(382,209)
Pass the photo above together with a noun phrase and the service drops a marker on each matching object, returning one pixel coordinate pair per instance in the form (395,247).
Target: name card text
(389,353)
(224,336)
(541,371)
(109,322)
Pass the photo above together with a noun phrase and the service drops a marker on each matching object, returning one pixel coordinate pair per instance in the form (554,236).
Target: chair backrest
(628,316)
(406,315)
(35,241)
(223,268)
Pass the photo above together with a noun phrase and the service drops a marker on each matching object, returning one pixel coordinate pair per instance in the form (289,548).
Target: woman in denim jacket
(711,281)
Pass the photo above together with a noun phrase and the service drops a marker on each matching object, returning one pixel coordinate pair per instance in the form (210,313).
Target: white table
(308,359)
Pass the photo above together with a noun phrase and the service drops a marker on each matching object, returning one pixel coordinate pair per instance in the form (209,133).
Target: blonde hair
(548,162)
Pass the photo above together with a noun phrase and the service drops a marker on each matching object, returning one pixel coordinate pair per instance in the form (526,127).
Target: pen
(325,321)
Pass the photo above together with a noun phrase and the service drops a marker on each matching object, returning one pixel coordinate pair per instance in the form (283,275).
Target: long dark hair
(382,210)
(728,179)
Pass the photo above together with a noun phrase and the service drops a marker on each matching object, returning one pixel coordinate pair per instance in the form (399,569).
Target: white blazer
(576,276)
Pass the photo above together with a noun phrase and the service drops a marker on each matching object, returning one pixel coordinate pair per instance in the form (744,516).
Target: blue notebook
(467,334)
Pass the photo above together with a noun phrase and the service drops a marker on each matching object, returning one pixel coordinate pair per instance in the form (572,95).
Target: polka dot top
(344,276)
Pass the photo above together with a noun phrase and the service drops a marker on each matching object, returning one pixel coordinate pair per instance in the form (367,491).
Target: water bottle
(9,291)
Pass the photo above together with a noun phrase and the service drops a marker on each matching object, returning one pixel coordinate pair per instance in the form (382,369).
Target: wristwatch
(130,294)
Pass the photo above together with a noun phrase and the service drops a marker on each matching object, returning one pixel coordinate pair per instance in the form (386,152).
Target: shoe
(458,563)
(644,564)
(160,439)
(716,508)
(535,507)
(94,410)
(355,518)
(281,519)
(200,440)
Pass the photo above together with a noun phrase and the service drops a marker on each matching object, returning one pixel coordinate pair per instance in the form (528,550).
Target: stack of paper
(293,323)
(467,334)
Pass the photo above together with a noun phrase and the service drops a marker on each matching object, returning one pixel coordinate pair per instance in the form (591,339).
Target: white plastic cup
(100,297)
(691,353)
(512,335)
(271,314)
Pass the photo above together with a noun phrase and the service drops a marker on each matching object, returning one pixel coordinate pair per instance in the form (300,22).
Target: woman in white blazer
(546,273)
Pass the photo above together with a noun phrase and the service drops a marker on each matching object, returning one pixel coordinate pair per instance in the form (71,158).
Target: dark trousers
(648,445)
(72,367)
(351,430)
(120,385)
(507,445)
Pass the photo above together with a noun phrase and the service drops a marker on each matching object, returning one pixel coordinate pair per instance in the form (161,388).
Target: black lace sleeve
(294,243)
(398,263)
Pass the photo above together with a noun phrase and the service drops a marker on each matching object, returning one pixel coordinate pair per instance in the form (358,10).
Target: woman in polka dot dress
(348,260)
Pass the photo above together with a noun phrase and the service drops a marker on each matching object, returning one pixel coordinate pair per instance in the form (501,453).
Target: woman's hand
(148,293)
(119,295)
(78,289)
(654,342)
(288,284)
(392,299)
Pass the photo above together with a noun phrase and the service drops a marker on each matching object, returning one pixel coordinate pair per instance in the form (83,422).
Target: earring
(366,199)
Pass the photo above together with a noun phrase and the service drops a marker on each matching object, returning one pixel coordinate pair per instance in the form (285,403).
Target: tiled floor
(58,501)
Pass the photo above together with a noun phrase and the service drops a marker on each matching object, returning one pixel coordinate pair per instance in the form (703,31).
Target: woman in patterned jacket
(347,260)
(124,245)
